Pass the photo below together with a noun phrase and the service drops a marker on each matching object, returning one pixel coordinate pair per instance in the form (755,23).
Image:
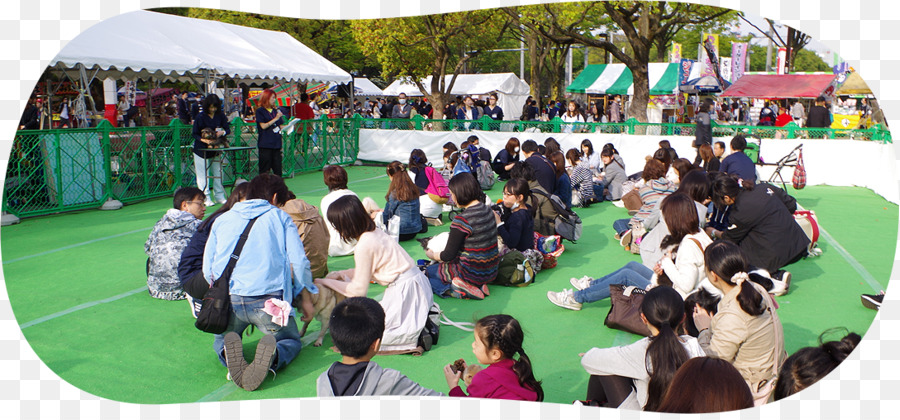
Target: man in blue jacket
(271,267)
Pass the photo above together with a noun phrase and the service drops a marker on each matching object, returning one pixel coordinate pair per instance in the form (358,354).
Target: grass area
(141,350)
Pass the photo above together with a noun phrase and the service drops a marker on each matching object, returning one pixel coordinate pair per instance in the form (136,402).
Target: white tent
(143,43)
(511,90)
(361,87)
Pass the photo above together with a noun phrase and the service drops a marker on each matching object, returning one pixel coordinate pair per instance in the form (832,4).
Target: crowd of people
(714,248)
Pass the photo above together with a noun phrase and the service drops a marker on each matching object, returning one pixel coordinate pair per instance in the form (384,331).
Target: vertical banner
(782,58)
(675,53)
(684,71)
(708,56)
(725,69)
(130,92)
(738,60)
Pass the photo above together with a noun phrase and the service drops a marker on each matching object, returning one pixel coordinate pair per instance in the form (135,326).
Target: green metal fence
(60,170)
(52,171)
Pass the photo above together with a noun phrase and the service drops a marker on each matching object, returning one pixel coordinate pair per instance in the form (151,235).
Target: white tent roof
(368,88)
(466,84)
(143,43)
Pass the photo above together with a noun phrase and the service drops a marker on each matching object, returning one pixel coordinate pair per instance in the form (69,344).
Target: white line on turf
(80,307)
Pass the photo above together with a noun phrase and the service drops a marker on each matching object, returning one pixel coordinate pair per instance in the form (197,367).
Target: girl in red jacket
(498,338)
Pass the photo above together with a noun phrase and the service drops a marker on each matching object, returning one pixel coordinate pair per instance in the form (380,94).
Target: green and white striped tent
(616,79)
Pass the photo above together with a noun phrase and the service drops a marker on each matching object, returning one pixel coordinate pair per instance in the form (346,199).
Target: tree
(643,23)
(794,42)
(433,45)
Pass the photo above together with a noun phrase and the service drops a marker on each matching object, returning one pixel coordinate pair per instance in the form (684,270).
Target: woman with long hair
(696,186)
(380,259)
(563,182)
(810,364)
(582,179)
(213,118)
(506,159)
(710,161)
(706,385)
(403,200)
(591,157)
(572,115)
(468,111)
(268,125)
(637,376)
(518,230)
(432,188)
(746,330)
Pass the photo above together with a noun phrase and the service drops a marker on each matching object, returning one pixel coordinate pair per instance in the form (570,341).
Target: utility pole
(769,50)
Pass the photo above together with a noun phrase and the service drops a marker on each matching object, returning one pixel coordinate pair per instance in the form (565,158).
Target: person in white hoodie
(357,325)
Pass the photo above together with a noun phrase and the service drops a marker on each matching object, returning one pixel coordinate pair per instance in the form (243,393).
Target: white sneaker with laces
(582,283)
(564,299)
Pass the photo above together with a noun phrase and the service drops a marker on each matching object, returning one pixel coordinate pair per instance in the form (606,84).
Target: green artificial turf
(73,281)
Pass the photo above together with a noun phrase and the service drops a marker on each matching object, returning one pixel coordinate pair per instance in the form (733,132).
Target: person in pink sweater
(498,338)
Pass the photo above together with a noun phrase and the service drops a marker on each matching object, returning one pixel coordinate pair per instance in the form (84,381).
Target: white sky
(745,28)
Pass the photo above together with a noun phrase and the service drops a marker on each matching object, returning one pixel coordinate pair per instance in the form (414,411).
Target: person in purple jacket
(738,163)
(498,338)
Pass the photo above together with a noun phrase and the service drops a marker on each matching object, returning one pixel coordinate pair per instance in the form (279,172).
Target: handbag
(216,306)
(799,180)
(625,309)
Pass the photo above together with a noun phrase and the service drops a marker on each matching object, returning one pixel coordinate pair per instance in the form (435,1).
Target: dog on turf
(323,303)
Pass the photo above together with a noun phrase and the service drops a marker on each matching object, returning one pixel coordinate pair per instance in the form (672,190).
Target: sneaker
(564,299)
(582,283)
(485,290)
(222,201)
(462,290)
(872,301)
(195,305)
(786,279)
(619,203)
(257,371)
(632,212)
(208,203)
(625,239)
(234,358)
(433,221)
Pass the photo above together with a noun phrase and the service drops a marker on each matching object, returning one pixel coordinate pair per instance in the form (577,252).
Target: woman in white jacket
(636,376)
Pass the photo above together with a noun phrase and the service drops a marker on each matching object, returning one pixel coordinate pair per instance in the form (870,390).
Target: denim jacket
(408,212)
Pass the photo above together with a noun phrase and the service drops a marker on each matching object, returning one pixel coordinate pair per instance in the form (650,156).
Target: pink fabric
(280,311)
(436,184)
(497,381)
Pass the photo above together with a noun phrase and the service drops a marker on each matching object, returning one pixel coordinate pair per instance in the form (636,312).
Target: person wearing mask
(506,159)
(402,110)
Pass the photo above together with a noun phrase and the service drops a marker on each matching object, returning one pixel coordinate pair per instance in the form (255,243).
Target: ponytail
(664,309)
(749,298)
(727,261)
(523,370)
(504,333)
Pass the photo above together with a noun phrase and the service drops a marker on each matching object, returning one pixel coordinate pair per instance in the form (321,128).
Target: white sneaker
(209,203)
(582,283)
(619,203)
(564,299)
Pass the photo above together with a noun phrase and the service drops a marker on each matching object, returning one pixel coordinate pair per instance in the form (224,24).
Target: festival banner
(725,69)
(708,55)
(738,60)
(675,53)
(782,60)
(684,71)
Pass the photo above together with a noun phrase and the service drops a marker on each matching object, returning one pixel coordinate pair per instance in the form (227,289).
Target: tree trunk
(638,108)
(537,66)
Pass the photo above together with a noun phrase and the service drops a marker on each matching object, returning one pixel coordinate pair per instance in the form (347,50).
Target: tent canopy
(511,90)
(779,86)
(854,85)
(143,43)
(617,79)
(361,87)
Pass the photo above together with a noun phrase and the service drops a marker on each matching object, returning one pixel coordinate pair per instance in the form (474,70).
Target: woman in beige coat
(746,330)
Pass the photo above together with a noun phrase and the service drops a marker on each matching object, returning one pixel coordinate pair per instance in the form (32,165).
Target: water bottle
(394,227)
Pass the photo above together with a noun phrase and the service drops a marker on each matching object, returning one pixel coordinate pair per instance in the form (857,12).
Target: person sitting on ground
(272,268)
(313,231)
(403,200)
(506,158)
(483,154)
(563,183)
(498,338)
(706,385)
(686,273)
(614,175)
(544,212)
(550,146)
(763,225)
(190,266)
(582,179)
(591,157)
(169,237)
(810,364)
(381,259)
(682,166)
(738,163)
(696,186)
(336,180)
(357,327)
(709,159)
(664,157)
(432,188)
(518,230)
(637,376)
(746,330)
(656,187)
(719,150)
(544,170)
(471,258)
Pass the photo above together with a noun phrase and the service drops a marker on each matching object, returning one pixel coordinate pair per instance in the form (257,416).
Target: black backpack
(216,307)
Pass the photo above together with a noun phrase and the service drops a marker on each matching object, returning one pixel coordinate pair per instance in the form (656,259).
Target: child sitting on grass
(357,324)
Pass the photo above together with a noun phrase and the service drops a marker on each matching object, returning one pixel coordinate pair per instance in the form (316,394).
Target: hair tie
(739,278)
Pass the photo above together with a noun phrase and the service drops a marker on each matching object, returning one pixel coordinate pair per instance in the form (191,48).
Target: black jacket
(761,221)
(818,117)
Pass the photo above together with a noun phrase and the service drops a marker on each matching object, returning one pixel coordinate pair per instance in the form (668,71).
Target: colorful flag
(708,55)
(738,60)
(725,69)
(684,71)
(675,53)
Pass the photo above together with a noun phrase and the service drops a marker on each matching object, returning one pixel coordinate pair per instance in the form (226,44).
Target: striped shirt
(478,257)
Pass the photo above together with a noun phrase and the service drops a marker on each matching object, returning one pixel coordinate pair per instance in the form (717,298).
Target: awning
(144,43)
(617,79)
(361,87)
(779,86)
(854,85)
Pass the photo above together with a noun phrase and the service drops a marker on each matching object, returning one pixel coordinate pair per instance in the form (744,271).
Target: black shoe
(872,301)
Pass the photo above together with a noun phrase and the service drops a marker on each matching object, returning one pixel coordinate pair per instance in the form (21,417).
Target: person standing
(819,116)
(204,160)
(183,114)
(268,125)
(615,109)
(797,112)
(468,111)
(703,131)
(303,111)
(494,111)
(30,117)
(402,110)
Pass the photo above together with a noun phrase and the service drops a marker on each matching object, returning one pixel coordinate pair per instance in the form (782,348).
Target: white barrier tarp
(828,162)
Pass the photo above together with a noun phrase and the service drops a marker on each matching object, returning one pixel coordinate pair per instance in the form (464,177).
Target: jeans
(247,310)
(632,274)
(438,287)
(621,225)
(202,167)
